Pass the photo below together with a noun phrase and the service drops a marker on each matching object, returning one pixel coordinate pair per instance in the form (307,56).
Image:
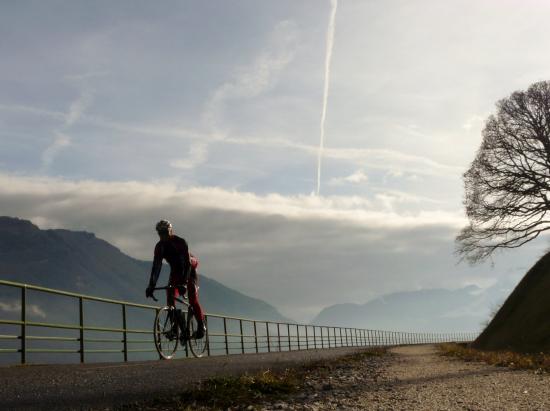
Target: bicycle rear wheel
(166,332)
(196,345)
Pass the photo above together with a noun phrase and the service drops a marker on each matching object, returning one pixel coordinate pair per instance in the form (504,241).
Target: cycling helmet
(163,226)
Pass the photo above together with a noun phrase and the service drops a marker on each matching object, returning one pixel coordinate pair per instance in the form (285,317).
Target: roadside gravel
(418,378)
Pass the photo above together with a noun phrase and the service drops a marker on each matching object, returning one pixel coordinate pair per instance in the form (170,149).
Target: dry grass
(247,391)
(510,359)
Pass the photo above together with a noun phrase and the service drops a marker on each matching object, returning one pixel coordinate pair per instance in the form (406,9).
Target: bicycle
(167,331)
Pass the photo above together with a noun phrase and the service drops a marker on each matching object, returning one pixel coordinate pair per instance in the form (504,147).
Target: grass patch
(247,391)
(510,359)
(225,392)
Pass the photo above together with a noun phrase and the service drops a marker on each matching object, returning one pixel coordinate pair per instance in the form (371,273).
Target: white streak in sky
(328,57)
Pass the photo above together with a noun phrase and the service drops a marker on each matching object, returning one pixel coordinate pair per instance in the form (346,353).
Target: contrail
(328,58)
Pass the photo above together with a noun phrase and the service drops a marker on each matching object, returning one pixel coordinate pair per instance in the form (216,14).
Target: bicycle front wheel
(196,345)
(166,332)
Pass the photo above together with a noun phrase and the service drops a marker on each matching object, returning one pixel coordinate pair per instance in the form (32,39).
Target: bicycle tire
(166,339)
(197,346)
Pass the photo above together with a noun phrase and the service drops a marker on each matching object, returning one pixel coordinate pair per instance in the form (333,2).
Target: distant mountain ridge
(80,262)
(428,310)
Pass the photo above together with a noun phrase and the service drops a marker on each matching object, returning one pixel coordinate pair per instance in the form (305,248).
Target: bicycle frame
(183,300)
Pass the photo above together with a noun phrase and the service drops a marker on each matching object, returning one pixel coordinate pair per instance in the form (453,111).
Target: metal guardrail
(231,335)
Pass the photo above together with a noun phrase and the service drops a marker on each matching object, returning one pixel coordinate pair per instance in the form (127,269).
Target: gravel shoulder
(418,378)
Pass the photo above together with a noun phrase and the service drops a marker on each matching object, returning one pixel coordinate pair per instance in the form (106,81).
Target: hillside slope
(83,263)
(523,322)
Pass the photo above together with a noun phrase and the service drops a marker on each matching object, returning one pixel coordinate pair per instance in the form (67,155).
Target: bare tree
(507,185)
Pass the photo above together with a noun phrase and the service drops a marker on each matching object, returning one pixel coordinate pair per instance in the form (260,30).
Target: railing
(226,334)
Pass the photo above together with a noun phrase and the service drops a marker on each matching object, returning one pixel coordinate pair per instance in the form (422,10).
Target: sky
(207,113)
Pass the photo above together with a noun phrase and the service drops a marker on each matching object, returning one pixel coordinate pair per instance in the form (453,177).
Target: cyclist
(183,270)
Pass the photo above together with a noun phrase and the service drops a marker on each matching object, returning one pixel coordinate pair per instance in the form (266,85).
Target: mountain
(522,323)
(429,310)
(80,262)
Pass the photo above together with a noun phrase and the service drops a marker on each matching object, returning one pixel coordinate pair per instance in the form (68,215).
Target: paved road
(102,385)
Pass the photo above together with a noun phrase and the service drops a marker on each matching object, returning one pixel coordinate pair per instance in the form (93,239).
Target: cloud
(358,177)
(59,143)
(300,253)
(87,75)
(475,121)
(396,161)
(257,77)
(198,153)
(61,139)
(77,108)
(15,307)
(37,111)
(385,159)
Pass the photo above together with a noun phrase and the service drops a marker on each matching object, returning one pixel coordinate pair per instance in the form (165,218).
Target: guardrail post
(267,333)
(307,339)
(341,339)
(242,337)
(81,322)
(23,325)
(288,333)
(124,333)
(298,335)
(255,337)
(207,337)
(225,335)
(314,338)
(279,336)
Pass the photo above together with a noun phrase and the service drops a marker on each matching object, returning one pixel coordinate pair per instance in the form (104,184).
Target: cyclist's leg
(192,293)
(170,292)
(176,281)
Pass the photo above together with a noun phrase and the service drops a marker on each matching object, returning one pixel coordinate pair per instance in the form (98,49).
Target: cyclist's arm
(185,261)
(157,266)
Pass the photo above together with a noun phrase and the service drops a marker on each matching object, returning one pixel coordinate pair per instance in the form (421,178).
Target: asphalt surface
(97,386)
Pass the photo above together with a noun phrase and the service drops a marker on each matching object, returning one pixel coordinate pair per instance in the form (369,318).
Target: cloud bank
(300,253)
